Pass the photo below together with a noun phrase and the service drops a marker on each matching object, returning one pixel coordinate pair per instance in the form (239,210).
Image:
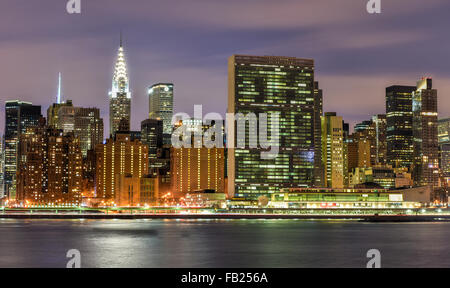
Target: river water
(222,243)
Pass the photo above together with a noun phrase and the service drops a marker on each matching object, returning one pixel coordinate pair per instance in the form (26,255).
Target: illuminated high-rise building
(347,140)
(399,118)
(369,140)
(195,169)
(366,132)
(380,175)
(19,116)
(333,156)
(133,191)
(270,84)
(445,161)
(359,151)
(152,136)
(198,167)
(425,133)
(444,145)
(2,166)
(318,113)
(120,95)
(85,123)
(52,111)
(66,118)
(160,98)
(50,168)
(118,156)
(379,122)
(444,130)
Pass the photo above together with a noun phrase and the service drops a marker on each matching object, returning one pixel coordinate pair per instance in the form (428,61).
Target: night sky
(188,42)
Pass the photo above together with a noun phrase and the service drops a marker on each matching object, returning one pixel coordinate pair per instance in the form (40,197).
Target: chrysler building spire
(120,95)
(120,78)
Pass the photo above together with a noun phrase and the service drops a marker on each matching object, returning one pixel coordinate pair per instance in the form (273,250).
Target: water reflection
(221,243)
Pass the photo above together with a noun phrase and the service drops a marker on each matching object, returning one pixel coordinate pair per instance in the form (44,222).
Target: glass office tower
(399,135)
(160,98)
(425,133)
(152,136)
(333,152)
(269,84)
(444,147)
(2,165)
(19,116)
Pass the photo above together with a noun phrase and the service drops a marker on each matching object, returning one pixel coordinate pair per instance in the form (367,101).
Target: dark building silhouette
(399,135)
(19,116)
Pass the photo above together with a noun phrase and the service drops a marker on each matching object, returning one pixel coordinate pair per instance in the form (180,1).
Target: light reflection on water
(222,243)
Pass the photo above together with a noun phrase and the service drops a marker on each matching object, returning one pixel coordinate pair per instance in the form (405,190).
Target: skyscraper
(318,113)
(425,133)
(161,106)
(198,167)
(52,111)
(50,168)
(120,95)
(379,123)
(366,131)
(445,161)
(19,116)
(195,169)
(133,191)
(399,135)
(347,140)
(269,84)
(444,130)
(2,166)
(152,136)
(89,128)
(444,145)
(119,156)
(85,123)
(333,155)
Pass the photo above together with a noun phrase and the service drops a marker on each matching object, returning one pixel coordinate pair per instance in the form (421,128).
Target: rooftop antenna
(58,100)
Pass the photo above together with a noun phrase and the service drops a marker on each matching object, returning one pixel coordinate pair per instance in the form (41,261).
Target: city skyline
(361,59)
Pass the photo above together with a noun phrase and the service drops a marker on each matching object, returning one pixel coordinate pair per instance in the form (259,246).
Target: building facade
(366,132)
(444,130)
(89,128)
(152,136)
(269,84)
(195,169)
(383,176)
(333,150)
(359,151)
(318,164)
(19,116)
(119,156)
(135,191)
(160,98)
(399,121)
(53,113)
(120,95)
(2,166)
(85,123)
(50,168)
(379,122)
(425,133)
(444,148)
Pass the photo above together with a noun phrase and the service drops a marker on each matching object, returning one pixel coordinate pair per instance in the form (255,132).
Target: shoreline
(361,218)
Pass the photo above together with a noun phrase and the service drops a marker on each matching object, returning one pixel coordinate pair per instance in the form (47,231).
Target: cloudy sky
(187,42)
